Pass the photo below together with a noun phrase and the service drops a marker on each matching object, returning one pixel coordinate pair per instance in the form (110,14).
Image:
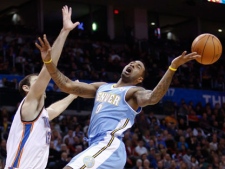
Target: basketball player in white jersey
(30,133)
(115,108)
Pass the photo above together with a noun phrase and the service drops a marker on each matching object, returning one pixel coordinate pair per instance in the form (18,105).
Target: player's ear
(140,80)
(26,88)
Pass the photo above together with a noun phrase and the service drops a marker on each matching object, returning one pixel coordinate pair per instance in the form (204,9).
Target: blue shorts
(109,153)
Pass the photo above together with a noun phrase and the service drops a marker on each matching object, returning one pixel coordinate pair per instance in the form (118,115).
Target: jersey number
(98,108)
(48,137)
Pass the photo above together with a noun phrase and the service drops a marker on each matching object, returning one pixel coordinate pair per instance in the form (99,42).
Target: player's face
(133,72)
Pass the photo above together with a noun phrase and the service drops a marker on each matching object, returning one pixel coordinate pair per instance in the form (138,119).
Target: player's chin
(125,75)
(126,78)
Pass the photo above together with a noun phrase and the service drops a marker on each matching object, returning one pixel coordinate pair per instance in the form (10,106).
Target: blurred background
(111,34)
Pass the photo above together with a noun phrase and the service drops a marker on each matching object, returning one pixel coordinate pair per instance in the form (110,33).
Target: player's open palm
(44,48)
(67,23)
(183,58)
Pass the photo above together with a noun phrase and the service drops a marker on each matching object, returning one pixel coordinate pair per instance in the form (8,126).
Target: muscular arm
(147,97)
(72,87)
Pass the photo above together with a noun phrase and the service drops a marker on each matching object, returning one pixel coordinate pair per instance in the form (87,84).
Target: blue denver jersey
(111,113)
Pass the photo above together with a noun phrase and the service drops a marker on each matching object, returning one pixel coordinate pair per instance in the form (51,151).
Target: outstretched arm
(44,78)
(58,107)
(32,101)
(68,86)
(147,97)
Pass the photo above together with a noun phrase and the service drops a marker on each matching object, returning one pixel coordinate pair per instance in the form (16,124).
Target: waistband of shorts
(100,137)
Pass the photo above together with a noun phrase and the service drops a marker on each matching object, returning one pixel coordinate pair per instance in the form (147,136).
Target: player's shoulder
(97,84)
(134,90)
(138,88)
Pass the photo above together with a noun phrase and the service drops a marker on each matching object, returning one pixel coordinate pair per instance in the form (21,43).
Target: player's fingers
(190,54)
(184,53)
(49,51)
(76,23)
(70,11)
(41,41)
(64,9)
(46,40)
(194,57)
(37,45)
(193,53)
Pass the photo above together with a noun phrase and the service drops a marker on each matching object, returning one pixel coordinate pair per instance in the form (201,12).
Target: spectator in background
(183,165)
(3,151)
(160,165)
(222,161)
(53,157)
(138,164)
(152,157)
(182,124)
(152,119)
(63,161)
(140,149)
(56,136)
(167,161)
(146,164)
(160,141)
(170,119)
(170,144)
(214,143)
(131,154)
(69,139)
(182,143)
(5,125)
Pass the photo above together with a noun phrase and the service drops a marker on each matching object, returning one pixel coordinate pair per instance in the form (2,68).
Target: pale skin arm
(58,107)
(147,97)
(33,100)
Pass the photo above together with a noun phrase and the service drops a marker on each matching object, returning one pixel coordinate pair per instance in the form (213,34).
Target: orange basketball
(208,46)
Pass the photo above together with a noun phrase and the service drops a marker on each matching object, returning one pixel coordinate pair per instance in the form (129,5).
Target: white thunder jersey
(28,142)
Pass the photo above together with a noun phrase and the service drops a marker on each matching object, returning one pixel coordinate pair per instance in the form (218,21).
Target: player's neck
(120,83)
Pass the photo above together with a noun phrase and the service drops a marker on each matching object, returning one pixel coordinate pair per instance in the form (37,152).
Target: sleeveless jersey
(28,142)
(111,113)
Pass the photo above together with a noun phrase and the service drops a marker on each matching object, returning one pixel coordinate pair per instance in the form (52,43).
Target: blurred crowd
(191,136)
(103,61)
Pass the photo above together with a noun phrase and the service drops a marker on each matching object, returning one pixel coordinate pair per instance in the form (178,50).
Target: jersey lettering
(108,98)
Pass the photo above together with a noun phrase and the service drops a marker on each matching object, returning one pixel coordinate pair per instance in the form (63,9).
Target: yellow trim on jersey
(110,141)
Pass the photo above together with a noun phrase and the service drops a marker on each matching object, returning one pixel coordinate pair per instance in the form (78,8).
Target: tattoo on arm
(61,80)
(162,87)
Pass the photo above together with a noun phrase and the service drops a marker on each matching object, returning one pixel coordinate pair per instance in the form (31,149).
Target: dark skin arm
(68,86)
(139,97)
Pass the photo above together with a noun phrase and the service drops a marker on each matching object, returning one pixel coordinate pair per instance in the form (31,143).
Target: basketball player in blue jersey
(30,133)
(115,108)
